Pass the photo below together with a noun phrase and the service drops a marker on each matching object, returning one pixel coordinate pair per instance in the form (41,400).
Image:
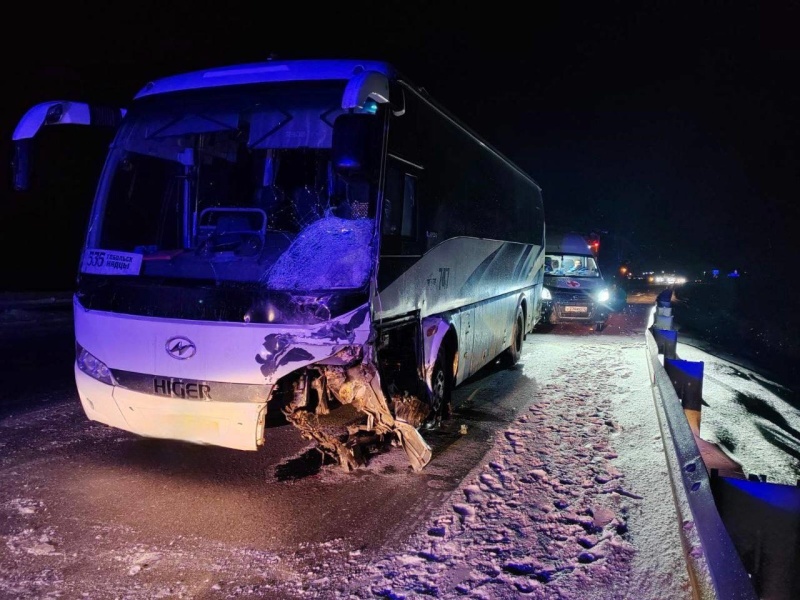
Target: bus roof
(267,71)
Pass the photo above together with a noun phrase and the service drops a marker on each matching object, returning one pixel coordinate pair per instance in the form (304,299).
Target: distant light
(669,278)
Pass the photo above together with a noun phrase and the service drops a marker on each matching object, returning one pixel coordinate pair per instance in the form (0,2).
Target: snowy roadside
(573,501)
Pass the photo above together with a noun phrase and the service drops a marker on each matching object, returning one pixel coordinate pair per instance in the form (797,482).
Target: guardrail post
(663,314)
(687,379)
(666,342)
(662,322)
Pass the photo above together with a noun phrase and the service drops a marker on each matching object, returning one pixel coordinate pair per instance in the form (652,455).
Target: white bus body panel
(467,279)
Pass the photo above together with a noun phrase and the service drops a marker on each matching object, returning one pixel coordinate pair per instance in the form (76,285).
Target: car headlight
(93,367)
(546,295)
(603,295)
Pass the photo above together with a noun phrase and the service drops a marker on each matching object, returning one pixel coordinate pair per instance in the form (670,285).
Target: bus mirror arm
(21,164)
(371,85)
(54,112)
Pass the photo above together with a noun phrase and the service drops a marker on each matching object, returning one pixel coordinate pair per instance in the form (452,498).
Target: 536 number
(96,259)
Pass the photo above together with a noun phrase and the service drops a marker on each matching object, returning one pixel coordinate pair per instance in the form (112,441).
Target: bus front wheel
(441,388)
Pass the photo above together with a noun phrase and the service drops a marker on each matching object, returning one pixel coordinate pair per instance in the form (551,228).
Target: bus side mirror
(355,143)
(21,164)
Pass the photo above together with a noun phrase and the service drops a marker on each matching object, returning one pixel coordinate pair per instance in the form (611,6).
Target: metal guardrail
(715,567)
(33,300)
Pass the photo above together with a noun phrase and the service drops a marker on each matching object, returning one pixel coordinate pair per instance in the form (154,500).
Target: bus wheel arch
(526,325)
(440,369)
(443,379)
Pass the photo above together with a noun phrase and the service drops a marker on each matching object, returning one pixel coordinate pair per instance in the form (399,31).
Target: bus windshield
(234,185)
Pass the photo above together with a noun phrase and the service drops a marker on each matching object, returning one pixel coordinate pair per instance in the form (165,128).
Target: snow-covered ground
(749,417)
(569,496)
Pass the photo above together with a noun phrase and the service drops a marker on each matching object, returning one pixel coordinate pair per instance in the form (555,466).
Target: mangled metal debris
(358,386)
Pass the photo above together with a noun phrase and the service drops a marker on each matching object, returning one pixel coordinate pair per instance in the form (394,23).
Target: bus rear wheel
(513,353)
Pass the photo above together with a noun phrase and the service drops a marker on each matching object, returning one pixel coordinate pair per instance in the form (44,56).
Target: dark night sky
(673,126)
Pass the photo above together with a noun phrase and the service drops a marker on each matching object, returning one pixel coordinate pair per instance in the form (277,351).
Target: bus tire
(441,390)
(513,353)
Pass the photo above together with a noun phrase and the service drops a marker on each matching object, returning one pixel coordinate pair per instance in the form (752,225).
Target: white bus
(294,237)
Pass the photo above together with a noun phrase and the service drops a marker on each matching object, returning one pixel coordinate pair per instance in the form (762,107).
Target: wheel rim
(438,388)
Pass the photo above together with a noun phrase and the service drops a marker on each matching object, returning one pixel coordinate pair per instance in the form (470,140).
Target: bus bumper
(237,425)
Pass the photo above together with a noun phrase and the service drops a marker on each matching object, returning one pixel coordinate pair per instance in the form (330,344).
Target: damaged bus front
(232,257)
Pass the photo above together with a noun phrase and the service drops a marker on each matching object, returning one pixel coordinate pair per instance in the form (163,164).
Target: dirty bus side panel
(461,239)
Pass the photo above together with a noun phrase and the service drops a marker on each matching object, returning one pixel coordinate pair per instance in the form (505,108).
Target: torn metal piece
(348,455)
(321,388)
(410,409)
(362,389)
(418,452)
(358,386)
(337,330)
(308,424)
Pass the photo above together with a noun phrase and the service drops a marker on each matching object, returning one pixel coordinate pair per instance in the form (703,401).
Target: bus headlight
(546,295)
(93,367)
(603,295)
